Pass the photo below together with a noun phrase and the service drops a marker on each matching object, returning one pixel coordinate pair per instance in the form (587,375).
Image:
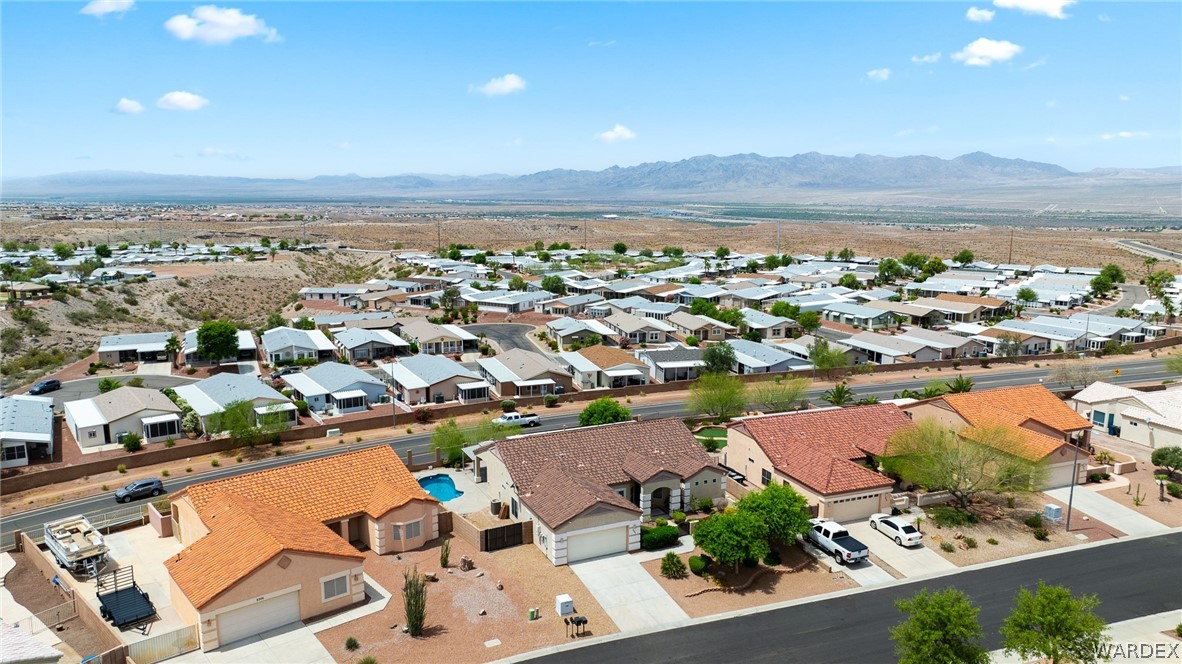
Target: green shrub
(508,406)
(947,547)
(106,488)
(1178,629)
(1095,478)
(992,540)
(169,442)
(368,659)
(678,517)
(165,472)
(188,469)
(772,558)
(659,537)
(215,463)
(672,567)
(1174,489)
(1034,520)
(697,566)
(352,643)
(132,442)
(1010,502)
(945,516)
(703,505)
(550,400)
(970,542)
(661,523)
(121,468)
(1041,534)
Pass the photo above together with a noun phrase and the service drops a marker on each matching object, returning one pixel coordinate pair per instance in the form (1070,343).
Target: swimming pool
(440,486)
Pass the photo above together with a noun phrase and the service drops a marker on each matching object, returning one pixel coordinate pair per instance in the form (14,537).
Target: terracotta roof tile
(1015,405)
(562,495)
(606,357)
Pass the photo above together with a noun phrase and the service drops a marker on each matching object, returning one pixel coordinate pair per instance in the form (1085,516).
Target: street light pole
(1074,481)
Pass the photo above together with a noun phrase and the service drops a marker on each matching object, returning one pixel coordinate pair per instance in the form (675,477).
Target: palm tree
(960,384)
(1149,263)
(172,347)
(839,395)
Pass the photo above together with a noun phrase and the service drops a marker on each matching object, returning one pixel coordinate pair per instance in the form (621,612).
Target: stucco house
(422,378)
(1152,419)
(639,330)
(357,343)
(210,397)
(435,339)
(285,344)
(821,454)
(768,326)
(587,489)
(598,367)
(247,349)
(274,547)
(567,331)
(336,389)
(702,327)
(110,417)
(677,363)
(523,373)
(753,357)
(26,429)
(146,347)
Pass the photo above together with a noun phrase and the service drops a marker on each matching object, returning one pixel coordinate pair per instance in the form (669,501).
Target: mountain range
(811,176)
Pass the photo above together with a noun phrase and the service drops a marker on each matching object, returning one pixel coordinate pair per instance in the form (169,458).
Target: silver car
(896,528)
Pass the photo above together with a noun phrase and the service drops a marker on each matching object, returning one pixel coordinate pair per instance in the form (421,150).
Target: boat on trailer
(76,545)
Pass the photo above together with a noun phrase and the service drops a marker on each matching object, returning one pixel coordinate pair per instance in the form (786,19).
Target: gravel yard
(35,593)
(1168,512)
(455,630)
(768,588)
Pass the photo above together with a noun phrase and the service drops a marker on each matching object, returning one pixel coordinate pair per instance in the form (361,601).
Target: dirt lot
(36,594)
(1014,538)
(768,588)
(454,629)
(1168,512)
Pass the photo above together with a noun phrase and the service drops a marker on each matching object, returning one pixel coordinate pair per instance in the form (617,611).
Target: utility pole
(1010,260)
(777,238)
(585,244)
(439,236)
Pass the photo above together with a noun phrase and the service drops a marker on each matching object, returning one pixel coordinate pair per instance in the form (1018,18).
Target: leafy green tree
(719,395)
(217,339)
(172,346)
(1009,344)
(11,246)
(102,251)
(846,254)
(733,537)
(604,410)
(1027,294)
(63,251)
(1169,458)
(451,439)
(940,627)
(827,358)
(1055,626)
(809,321)
(839,395)
(849,280)
(914,261)
(1114,273)
(719,358)
(829,255)
(783,511)
(675,252)
(620,248)
(889,270)
(449,299)
(722,252)
(964,257)
(554,284)
(517,284)
(274,320)
(108,384)
(934,266)
(774,396)
(785,309)
(1101,285)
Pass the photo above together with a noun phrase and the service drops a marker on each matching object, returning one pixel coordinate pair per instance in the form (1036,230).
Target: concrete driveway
(154,369)
(294,643)
(865,573)
(629,594)
(909,561)
(1108,511)
(506,335)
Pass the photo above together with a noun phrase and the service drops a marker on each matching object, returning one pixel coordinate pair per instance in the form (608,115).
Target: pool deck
(474,498)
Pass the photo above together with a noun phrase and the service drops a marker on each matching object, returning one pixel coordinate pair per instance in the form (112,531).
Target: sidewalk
(1110,512)
(1137,640)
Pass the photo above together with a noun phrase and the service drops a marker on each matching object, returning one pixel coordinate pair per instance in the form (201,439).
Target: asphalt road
(1127,575)
(1140,371)
(1130,294)
(1156,252)
(85,388)
(507,335)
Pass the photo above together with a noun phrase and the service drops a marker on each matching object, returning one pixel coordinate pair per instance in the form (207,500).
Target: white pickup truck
(519,419)
(832,538)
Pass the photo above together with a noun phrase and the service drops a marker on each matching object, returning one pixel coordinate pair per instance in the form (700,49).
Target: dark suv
(140,489)
(46,386)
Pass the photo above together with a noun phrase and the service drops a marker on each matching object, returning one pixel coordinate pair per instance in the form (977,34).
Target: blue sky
(296,89)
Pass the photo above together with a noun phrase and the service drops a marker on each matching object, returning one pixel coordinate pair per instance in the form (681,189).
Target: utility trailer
(76,545)
(122,602)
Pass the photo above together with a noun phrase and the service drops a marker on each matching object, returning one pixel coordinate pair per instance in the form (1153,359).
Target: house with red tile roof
(281,545)
(1047,427)
(588,489)
(824,454)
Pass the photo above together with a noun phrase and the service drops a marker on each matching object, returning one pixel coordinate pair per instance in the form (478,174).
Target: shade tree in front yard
(1053,625)
(965,464)
(108,384)
(451,439)
(825,357)
(604,410)
(732,537)
(1169,458)
(240,421)
(783,511)
(940,627)
(718,359)
(217,339)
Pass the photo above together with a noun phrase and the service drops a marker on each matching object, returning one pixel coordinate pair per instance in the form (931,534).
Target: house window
(14,453)
(92,434)
(408,531)
(765,476)
(336,587)
(654,336)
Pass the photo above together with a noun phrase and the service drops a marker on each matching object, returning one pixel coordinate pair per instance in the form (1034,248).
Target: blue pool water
(440,486)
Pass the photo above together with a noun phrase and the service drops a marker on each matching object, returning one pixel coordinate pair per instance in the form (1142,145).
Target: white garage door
(598,543)
(258,617)
(852,509)
(1059,475)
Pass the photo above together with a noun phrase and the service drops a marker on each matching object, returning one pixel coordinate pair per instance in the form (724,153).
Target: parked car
(44,386)
(139,489)
(832,538)
(519,419)
(896,528)
(287,371)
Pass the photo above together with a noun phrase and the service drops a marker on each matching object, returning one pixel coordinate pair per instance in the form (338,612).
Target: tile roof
(562,494)
(606,357)
(1016,405)
(244,535)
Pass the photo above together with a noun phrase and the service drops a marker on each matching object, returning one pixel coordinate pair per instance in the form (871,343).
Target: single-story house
(820,453)
(597,367)
(949,346)
(639,330)
(1152,419)
(332,321)
(587,489)
(566,331)
(701,327)
(858,315)
(962,308)
(110,417)
(356,343)
(752,357)
(767,325)
(337,294)
(678,363)
(247,349)
(435,339)
(1047,429)
(336,388)
(567,306)
(26,429)
(887,349)
(285,344)
(523,373)
(423,378)
(1028,344)
(914,314)
(210,397)
(274,547)
(147,347)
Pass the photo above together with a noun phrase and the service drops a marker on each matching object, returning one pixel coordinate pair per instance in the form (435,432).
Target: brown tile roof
(558,495)
(606,357)
(372,481)
(817,448)
(990,302)
(244,535)
(600,455)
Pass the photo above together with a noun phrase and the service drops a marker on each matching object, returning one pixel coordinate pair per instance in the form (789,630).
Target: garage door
(1059,475)
(598,543)
(852,509)
(258,618)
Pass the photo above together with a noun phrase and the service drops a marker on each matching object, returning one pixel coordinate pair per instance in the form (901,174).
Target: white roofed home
(566,331)
(336,389)
(1151,419)
(209,398)
(26,429)
(599,366)
(767,325)
(357,344)
(247,349)
(287,344)
(147,347)
(422,378)
(435,339)
(754,357)
(108,418)
(523,373)
(701,327)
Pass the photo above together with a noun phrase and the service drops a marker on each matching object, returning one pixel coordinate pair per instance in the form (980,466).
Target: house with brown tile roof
(1047,428)
(273,547)
(587,489)
(599,367)
(823,454)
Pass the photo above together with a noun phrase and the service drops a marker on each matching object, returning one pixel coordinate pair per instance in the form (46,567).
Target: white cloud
(1124,97)
(179,100)
(104,7)
(977,15)
(211,24)
(220,153)
(616,134)
(1051,139)
(1125,134)
(930,59)
(985,52)
(1052,8)
(1035,65)
(500,86)
(129,106)
(514,143)
(593,44)
(879,74)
